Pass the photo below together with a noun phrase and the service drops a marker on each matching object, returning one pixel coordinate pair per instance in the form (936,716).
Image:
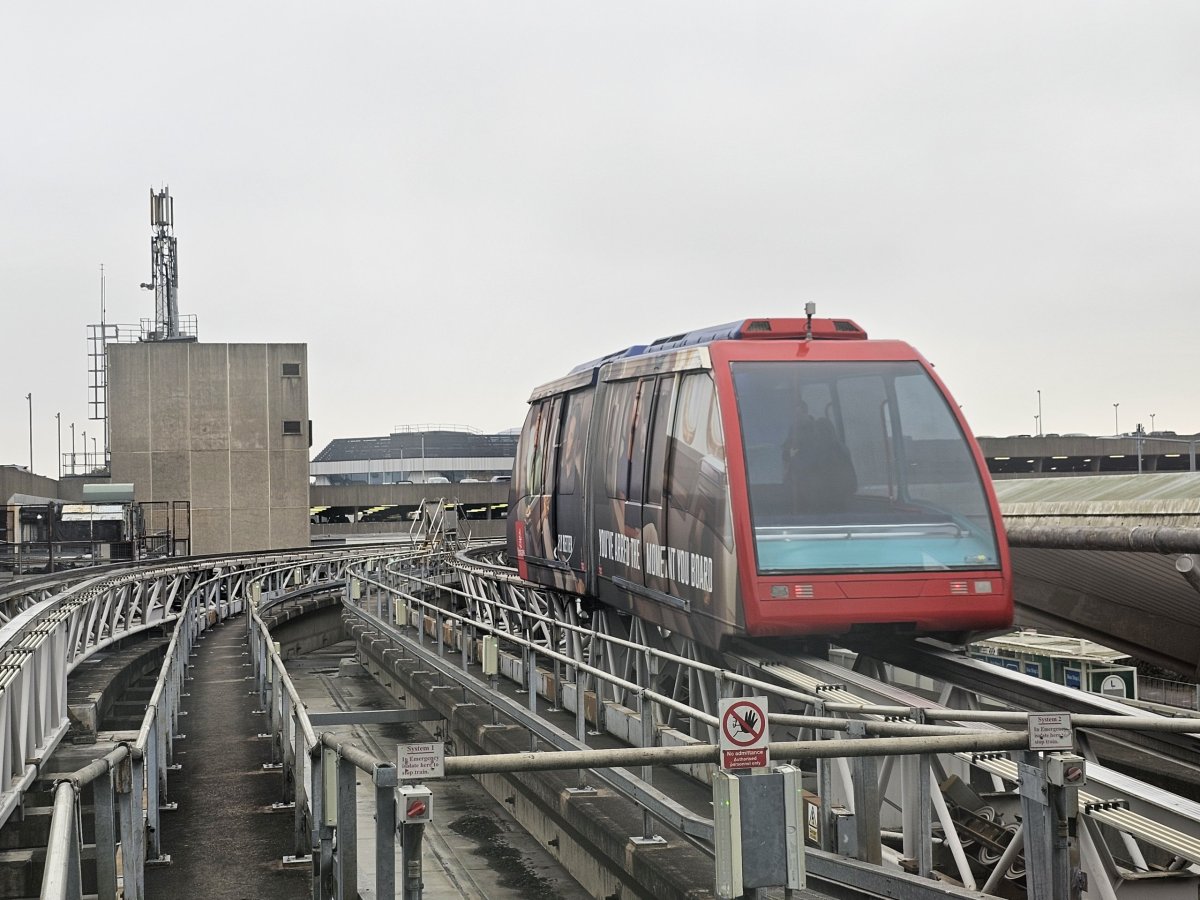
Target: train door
(700,564)
(617,521)
(635,496)
(533,532)
(546,462)
(571,548)
(654,519)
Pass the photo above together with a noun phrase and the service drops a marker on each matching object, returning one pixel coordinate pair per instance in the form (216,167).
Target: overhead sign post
(744,733)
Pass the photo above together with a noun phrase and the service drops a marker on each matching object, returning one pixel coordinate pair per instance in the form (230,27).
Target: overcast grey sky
(451,203)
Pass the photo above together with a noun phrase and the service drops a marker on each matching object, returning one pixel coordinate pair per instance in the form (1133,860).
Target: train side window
(553,420)
(639,439)
(621,397)
(698,483)
(533,458)
(524,451)
(656,470)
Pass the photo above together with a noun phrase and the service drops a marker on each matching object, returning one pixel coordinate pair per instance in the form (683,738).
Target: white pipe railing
(46,641)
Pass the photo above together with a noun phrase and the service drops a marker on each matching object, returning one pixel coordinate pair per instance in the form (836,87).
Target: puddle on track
(504,860)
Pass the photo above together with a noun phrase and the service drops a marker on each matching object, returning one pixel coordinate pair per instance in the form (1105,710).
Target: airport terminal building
(417,454)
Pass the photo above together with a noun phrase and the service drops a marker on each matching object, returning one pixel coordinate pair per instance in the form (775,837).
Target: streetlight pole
(1039,415)
(1152,423)
(58,422)
(1116,421)
(29,397)
(85,458)
(72,448)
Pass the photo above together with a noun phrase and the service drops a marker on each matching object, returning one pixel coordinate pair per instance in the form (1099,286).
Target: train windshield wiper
(876,531)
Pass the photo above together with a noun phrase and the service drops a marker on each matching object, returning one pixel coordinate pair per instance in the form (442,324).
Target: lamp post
(29,397)
(58,423)
(1039,415)
(1116,421)
(1037,425)
(1152,423)
(85,457)
(72,448)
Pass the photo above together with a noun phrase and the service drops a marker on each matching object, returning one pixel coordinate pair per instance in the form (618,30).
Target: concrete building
(417,454)
(223,426)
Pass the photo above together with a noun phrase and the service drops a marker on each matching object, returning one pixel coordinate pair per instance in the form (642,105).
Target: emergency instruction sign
(1051,731)
(421,761)
(744,733)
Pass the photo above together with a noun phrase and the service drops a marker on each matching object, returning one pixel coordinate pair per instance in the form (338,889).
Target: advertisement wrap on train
(764,478)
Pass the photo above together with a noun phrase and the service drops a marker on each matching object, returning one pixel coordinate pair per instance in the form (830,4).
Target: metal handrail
(145,761)
(331,764)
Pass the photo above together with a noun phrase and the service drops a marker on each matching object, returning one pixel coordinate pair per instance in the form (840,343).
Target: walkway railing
(49,638)
(319,776)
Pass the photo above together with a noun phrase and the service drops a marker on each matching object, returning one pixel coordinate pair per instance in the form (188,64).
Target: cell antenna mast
(164,268)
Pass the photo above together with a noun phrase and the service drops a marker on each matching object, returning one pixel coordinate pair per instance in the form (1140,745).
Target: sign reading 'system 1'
(421,760)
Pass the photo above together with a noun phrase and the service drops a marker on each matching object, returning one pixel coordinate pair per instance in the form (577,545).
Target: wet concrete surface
(224,840)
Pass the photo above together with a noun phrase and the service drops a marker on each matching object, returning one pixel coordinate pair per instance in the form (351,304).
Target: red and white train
(765,478)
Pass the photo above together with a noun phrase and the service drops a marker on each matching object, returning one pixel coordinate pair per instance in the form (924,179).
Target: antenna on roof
(809,309)
(164,272)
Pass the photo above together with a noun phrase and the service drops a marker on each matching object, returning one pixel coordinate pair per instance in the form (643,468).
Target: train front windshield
(859,466)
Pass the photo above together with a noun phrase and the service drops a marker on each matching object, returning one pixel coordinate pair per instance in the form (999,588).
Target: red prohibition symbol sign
(744,724)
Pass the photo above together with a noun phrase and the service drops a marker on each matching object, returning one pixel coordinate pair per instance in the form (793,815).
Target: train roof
(759,329)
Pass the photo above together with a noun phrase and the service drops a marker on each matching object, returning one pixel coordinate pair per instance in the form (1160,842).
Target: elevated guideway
(1111,558)
(418,616)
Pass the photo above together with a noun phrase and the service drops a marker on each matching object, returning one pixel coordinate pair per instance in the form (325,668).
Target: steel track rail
(1036,695)
(833,875)
(672,814)
(1174,825)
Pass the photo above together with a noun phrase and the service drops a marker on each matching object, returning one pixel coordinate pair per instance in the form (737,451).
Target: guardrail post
(918,825)
(130,866)
(304,812)
(167,727)
(646,714)
(323,813)
(385,831)
(274,718)
(1048,803)
(152,801)
(827,840)
(556,698)
(866,804)
(281,743)
(103,805)
(347,830)
(138,774)
(531,682)
(264,674)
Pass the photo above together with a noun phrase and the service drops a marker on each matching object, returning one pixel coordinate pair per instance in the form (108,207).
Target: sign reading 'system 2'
(1051,731)
(744,733)
(421,760)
